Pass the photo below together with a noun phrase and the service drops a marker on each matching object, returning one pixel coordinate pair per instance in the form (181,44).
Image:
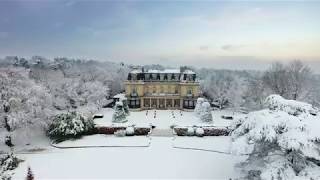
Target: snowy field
(159,160)
(102,140)
(163,119)
(107,156)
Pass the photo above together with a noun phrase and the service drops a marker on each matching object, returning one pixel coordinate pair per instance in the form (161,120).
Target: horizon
(221,35)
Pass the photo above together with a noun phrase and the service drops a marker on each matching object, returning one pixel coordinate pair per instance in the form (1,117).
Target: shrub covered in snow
(200,132)
(69,125)
(282,141)
(130,131)
(30,175)
(198,109)
(190,131)
(120,133)
(125,105)
(276,102)
(119,115)
(8,162)
(203,110)
(206,115)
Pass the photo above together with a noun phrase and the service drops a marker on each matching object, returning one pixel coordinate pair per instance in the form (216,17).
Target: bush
(8,162)
(30,175)
(70,125)
(130,131)
(190,131)
(120,114)
(200,132)
(120,133)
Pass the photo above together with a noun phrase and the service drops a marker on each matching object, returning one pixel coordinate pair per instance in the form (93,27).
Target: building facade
(167,89)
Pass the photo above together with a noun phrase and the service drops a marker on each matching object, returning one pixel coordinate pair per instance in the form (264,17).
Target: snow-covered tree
(119,115)
(292,81)
(203,110)
(205,114)
(282,141)
(125,105)
(69,125)
(25,104)
(8,162)
(198,109)
(30,175)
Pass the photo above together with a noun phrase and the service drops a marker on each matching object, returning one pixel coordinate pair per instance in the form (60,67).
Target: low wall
(208,131)
(138,131)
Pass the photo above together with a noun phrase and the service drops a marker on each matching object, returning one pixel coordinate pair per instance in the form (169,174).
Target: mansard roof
(165,71)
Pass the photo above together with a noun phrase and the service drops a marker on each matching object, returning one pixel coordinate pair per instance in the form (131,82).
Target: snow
(164,118)
(120,96)
(160,160)
(173,71)
(284,137)
(218,143)
(106,141)
(188,71)
(290,106)
(136,71)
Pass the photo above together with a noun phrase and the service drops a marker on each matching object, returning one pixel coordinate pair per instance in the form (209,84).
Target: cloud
(231,47)
(4,35)
(204,48)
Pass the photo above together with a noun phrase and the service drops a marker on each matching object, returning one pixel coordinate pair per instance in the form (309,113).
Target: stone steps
(162,132)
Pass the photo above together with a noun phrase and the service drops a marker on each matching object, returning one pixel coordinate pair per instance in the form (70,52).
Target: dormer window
(165,77)
(172,77)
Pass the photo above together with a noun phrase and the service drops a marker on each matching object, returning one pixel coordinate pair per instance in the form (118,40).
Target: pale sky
(218,34)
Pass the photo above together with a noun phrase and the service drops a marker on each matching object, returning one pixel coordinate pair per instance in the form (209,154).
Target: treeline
(33,91)
(248,89)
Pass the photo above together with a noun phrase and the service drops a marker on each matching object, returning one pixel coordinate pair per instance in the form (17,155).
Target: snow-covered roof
(164,71)
(136,71)
(120,96)
(188,71)
(167,71)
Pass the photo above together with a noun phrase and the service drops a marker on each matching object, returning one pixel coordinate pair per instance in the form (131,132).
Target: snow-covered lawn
(106,141)
(159,160)
(163,119)
(138,157)
(218,144)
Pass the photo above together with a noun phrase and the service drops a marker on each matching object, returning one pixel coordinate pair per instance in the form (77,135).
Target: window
(172,77)
(176,90)
(186,103)
(189,91)
(161,89)
(134,90)
(165,77)
(154,90)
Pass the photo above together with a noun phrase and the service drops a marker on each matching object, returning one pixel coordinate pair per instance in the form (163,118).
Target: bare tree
(300,81)
(292,81)
(276,78)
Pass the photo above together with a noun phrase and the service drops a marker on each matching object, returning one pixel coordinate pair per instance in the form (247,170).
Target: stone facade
(167,89)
